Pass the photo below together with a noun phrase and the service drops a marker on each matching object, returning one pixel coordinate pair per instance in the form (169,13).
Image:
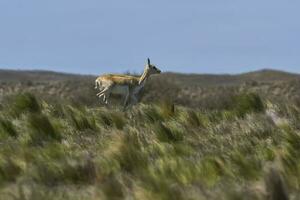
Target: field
(191,137)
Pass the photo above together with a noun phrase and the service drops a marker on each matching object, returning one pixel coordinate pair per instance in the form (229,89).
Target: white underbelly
(120,89)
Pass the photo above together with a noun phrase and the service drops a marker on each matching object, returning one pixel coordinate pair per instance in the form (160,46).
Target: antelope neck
(143,77)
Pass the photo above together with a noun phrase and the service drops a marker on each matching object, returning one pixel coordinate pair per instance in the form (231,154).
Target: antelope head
(149,70)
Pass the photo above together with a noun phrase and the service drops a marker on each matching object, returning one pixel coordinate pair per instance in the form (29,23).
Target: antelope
(128,86)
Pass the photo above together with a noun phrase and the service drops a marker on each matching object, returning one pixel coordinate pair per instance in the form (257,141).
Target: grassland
(242,144)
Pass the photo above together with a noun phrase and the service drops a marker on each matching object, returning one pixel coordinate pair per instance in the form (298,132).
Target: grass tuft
(23,103)
(9,170)
(152,115)
(118,120)
(248,103)
(8,128)
(42,129)
(80,120)
(168,134)
(131,153)
(167,108)
(193,120)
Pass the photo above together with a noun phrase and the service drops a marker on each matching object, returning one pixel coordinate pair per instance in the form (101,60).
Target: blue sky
(199,36)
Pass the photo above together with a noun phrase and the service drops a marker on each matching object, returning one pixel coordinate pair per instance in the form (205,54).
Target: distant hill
(36,75)
(268,75)
(265,75)
(204,90)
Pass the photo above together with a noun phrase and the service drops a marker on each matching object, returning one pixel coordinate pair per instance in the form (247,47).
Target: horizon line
(133,72)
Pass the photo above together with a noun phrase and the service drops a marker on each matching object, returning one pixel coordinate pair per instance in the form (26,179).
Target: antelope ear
(148,61)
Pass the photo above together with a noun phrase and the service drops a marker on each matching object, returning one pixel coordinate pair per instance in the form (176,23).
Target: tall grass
(42,129)
(246,103)
(7,127)
(157,151)
(23,103)
(80,120)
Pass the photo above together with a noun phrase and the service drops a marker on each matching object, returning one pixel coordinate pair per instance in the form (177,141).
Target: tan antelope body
(128,86)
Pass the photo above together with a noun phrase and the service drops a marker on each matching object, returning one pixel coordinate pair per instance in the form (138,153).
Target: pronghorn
(129,86)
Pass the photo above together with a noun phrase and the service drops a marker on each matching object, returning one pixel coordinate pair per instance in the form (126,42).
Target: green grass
(7,128)
(52,150)
(25,103)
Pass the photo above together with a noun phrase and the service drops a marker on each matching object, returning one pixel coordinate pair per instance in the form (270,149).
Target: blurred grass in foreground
(52,150)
